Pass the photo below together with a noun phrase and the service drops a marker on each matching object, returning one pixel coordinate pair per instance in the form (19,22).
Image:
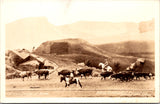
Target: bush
(116,66)
(94,62)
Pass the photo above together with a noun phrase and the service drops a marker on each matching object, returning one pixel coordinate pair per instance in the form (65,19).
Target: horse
(69,80)
(105,68)
(102,66)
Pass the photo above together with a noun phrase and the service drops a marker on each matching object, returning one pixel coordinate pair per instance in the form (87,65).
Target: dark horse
(68,80)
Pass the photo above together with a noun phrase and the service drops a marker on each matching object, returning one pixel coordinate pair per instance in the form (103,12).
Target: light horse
(69,79)
(105,67)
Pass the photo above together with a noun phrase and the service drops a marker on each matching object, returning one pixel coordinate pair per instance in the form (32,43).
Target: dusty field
(92,87)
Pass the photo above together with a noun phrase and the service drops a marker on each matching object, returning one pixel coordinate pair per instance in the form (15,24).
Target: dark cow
(42,72)
(84,72)
(145,75)
(106,74)
(68,80)
(64,72)
(117,76)
(128,76)
(138,75)
(123,76)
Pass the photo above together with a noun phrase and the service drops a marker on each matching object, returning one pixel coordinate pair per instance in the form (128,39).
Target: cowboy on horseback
(107,67)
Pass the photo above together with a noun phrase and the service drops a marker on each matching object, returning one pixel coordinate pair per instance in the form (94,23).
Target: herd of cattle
(71,77)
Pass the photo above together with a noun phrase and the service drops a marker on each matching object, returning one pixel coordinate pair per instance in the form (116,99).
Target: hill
(130,48)
(70,46)
(29,32)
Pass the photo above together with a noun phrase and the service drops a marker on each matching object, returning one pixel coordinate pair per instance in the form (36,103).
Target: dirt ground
(91,87)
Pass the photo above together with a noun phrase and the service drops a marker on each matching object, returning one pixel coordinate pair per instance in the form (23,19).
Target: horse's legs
(39,76)
(80,84)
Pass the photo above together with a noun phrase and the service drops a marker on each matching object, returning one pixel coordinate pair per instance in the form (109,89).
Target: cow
(10,75)
(123,76)
(117,76)
(128,76)
(68,81)
(105,74)
(84,72)
(42,72)
(145,75)
(27,74)
(64,72)
(151,75)
(138,75)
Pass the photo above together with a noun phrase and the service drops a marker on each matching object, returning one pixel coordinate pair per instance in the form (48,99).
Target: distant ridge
(35,30)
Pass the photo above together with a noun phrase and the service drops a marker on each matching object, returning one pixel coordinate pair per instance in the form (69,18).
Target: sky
(60,12)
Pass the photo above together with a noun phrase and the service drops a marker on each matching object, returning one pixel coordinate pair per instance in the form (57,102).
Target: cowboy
(106,62)
(72,75)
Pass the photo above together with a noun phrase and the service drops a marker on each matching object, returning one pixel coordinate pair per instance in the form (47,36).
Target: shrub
(116,66)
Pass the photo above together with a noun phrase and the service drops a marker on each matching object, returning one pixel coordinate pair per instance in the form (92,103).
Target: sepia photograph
(80,51)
